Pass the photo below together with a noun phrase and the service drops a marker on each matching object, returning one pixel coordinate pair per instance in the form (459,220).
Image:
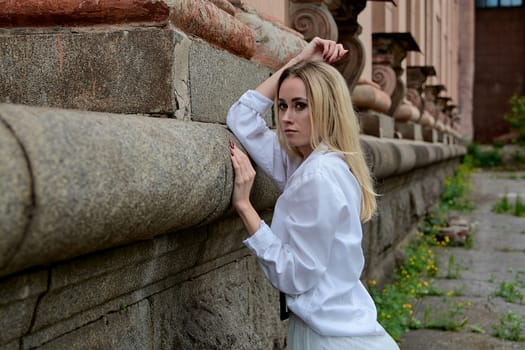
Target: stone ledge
(103,180)
(393,157)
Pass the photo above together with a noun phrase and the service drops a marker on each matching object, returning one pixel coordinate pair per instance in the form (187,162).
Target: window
(498,3)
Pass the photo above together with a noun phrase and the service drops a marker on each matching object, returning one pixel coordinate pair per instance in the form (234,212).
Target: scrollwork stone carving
(385,77)
(313,19)
(415,97)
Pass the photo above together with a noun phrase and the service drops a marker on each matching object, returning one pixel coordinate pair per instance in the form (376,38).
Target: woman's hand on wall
(244,178)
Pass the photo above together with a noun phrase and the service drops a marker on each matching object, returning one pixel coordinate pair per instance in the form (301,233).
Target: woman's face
(293,115)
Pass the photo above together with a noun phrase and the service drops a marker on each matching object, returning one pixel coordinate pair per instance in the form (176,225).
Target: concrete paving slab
(497,255)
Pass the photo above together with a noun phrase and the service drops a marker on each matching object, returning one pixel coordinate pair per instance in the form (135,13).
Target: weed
(483,158)
(504,206)
(519,207)
(516,117)
(453,319)
(457,188)
(510,327)
(510,292)
(452,268)
(454,197)
(458,291)
(476,328)
(394,301)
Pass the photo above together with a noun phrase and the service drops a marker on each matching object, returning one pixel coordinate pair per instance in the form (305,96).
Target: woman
(312,252)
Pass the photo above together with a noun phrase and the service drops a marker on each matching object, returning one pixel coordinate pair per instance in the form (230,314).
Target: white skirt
(302,337)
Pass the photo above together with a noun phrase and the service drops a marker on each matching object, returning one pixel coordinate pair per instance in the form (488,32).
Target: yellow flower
(372,283)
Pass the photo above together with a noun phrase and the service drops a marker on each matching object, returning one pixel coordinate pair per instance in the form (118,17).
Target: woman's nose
(285,116)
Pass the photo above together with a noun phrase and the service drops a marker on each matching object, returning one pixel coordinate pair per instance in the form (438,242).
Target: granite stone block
(124,71)
(129,328)
(217,80)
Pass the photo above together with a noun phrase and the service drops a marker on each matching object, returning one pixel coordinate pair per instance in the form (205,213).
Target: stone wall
(116,230)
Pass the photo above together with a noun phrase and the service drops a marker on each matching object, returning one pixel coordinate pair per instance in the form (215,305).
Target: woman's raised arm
(316,50)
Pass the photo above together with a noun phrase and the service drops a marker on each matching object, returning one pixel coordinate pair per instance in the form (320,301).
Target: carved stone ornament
(431,93)
(394,47)
(313,19)
(336,20)
(385,77)
(415,97)
(416,77)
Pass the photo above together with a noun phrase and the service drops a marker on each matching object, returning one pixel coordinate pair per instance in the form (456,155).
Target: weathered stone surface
(33,13)
(16,191)
(409,130)
(14,345)
(207,21)
(275,46)
(104,180)
(206,313)
(406,111)
(61,303)
(218,79)
(376,124)
(368,95)
(85,289)
(16,319)
(387,156)
(110,71)
(403,200)
(130,328)
(18,298)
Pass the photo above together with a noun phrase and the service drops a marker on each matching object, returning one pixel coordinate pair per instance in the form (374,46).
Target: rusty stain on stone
(207,21)
(40,13)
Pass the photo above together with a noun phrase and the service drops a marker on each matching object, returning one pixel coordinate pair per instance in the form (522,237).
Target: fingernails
(231,143)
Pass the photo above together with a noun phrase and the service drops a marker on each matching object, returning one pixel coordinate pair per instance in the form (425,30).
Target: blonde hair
(333,122)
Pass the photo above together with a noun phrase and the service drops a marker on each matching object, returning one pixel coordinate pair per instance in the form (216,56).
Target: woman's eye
(282,106)
(300,106)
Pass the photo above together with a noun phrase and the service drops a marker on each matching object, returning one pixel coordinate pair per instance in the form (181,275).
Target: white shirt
(312,252)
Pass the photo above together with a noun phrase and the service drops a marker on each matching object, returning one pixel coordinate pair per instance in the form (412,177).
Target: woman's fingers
(327,50)
(244,175)
(334,52)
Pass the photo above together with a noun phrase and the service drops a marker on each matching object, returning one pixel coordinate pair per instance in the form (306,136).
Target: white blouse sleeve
(246,122)
(317,209)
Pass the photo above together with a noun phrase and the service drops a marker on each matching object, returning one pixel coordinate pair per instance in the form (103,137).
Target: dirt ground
(497,255)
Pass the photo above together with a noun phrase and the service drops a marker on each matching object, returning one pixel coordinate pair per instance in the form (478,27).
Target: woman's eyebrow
(295,99)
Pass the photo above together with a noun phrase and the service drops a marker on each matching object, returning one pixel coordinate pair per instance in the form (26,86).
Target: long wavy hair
(333,122)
